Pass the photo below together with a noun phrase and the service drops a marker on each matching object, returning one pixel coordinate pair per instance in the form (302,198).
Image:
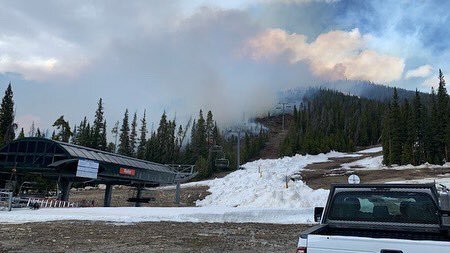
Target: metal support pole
(108,194)
(64,187)
(10,199)
(283,112)
(238,150)
(177,193)
(138,196)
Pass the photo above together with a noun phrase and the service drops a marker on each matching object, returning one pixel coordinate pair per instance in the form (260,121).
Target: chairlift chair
(216,148)
(222,163)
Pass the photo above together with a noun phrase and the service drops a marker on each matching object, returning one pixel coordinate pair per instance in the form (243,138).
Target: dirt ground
(166,198)
(322,175)
(71,236)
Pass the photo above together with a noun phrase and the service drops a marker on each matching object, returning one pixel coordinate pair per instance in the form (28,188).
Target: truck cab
(381,218)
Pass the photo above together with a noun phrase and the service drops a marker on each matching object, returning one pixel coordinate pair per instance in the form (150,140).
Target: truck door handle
(390,251)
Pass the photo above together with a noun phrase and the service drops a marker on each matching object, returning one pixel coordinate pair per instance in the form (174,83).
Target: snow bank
(263,184)
(371,150)
(156,214)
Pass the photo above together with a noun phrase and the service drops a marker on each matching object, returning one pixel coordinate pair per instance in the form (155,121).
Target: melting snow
(371,150)
(263,184)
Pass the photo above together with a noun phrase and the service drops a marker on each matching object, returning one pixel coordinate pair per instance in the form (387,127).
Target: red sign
(128,172)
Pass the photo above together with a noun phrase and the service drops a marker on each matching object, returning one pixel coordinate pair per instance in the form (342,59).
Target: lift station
(67,163)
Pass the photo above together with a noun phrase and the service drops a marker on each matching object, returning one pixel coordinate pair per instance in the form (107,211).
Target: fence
(49,203)
(6,199)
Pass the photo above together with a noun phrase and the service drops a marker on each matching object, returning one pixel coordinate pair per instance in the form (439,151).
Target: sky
(231,57)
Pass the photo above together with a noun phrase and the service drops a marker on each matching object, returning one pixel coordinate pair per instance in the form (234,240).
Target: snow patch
(368,163)
(157,214)
(371,150)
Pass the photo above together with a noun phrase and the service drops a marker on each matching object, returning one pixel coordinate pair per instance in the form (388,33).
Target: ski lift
(216,148)
(134,198)
(222,163)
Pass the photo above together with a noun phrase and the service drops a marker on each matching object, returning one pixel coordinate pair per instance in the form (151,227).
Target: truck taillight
(301,250)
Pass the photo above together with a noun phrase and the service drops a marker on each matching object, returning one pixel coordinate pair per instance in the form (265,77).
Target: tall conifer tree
(7,126)
(142,138)
(124,139)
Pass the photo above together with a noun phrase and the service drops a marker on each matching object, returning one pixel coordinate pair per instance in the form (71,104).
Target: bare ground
(163,197)
(322,175)
(276,135)
(71,236)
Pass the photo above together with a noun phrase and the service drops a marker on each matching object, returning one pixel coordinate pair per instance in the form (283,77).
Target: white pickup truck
(384,218)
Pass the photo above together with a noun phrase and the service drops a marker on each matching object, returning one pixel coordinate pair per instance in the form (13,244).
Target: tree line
(417,131)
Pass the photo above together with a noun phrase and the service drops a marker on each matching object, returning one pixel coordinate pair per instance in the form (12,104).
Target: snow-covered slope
(263,184)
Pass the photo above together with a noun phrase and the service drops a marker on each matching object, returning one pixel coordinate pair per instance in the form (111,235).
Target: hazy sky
(228,56)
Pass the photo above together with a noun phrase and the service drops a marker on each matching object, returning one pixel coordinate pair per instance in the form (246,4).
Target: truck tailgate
(340,244)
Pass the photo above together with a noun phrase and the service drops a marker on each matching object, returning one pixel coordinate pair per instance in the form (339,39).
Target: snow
(157,214)
(376,163)
(263,184)
(371,150)
(368,163)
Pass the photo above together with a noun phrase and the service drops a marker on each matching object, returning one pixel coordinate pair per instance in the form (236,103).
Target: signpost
(87,169)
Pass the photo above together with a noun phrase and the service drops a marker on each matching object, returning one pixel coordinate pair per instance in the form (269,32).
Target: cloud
(422,71)
(431,82)
(43,58)
(333,55)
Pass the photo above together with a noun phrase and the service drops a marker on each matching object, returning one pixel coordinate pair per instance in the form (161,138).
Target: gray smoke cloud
(174,56)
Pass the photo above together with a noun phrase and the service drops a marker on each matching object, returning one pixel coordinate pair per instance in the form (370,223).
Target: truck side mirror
(318,211)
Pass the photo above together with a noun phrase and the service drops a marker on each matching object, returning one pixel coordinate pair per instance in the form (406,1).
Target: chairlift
(222,163)
(216,148)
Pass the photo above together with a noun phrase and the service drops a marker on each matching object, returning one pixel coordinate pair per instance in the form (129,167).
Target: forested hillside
(361,89)
(330,120)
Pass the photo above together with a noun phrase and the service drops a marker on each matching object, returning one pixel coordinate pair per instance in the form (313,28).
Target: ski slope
(263,184)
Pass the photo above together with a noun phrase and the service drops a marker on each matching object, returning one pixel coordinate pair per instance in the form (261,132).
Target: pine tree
(162,137)
(199,142)
(442,115)
(396,130)
(64,133)
(142,138)
(97,128)
(103,138)
(21,134)
(7,126)
(124,139)
(407,133)
(32,131)
(418,130)
(210,129)
(133,135)
(39,134)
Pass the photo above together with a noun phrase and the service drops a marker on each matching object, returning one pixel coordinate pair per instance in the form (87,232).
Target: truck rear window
(397,207)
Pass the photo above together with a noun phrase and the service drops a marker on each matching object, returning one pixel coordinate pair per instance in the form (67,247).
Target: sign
(87,169)
(128,172)
(354,179)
